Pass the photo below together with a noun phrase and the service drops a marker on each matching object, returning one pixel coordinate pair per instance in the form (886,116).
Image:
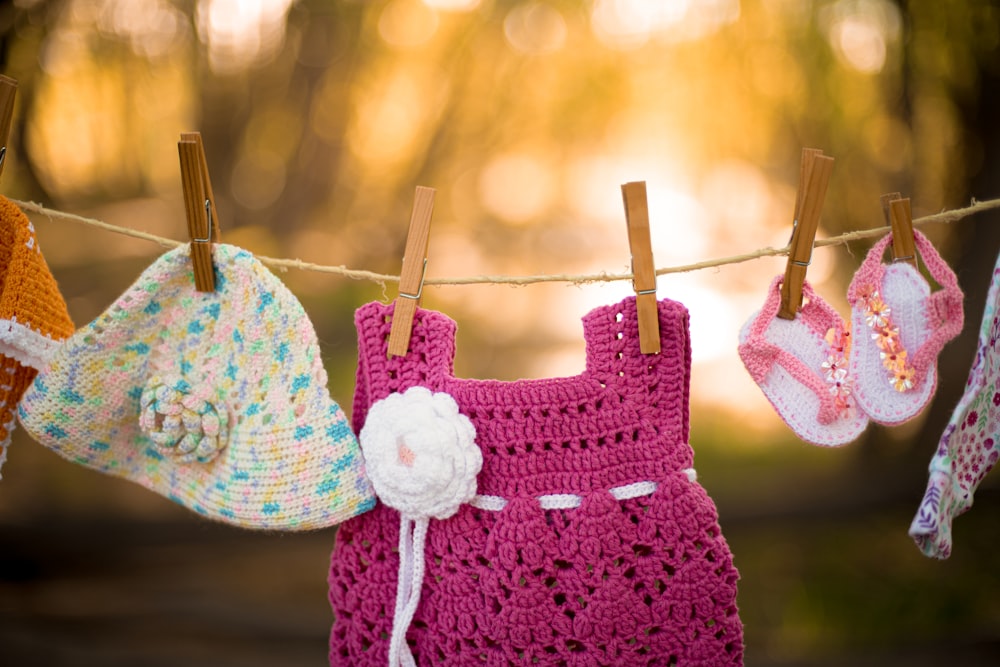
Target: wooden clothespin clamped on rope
(199,202)
(643,272)
(411,279)
(896,212)
(814,176)
(901,220)
(885,200)
(8,91)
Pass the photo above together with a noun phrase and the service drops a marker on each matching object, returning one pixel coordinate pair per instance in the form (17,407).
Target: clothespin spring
(420,288)
(411,287)
(208,216)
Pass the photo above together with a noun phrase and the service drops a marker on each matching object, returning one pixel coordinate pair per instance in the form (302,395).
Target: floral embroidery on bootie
(835,367)
(885,333)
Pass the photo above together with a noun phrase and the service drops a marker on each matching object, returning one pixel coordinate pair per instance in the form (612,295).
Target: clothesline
(578,279)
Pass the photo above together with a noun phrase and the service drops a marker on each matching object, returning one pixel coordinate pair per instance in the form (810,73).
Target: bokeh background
(320,116)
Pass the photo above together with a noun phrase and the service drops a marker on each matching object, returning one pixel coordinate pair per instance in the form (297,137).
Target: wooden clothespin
(643,272)
(411,279)
(885,200)
(199,202)
(814,176)
(903,244)
(8,91)
(215,230)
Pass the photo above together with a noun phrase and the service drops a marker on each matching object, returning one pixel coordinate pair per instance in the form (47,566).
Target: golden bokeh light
(241,33)
(535,28)
(258,179)
(453,5)
(517,187)
(526,116)
(319,119)
(394,114)
(153,28)
(407,23)
(628,24)
(859,32)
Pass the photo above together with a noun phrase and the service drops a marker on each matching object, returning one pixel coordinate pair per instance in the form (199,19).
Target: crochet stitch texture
(970,445)
(216,400)
(895,377)
(593,580)
(800,365)
(33,315)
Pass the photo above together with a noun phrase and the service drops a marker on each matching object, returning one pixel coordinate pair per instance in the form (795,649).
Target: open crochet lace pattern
(637,578)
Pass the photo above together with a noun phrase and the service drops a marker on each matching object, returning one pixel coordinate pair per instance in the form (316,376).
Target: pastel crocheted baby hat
(577,534)
(898,328)
(801,366)
(970,444)
(216,400)
(33,315)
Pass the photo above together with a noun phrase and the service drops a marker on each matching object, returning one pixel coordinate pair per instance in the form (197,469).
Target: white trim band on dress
(566,501)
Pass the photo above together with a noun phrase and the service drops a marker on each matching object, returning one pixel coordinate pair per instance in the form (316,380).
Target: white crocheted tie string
(422,459)
(569,501)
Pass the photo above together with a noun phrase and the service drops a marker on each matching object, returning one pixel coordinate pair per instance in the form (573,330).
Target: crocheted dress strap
(658,385)
(429,361)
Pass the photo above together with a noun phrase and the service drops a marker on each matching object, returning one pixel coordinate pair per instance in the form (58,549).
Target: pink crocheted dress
(589,541)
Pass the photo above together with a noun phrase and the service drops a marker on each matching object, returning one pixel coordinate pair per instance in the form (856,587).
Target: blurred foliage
(319,118)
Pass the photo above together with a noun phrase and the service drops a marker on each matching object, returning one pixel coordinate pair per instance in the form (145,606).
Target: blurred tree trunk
(978,241)
(23,32)
(885,472)
(320,52)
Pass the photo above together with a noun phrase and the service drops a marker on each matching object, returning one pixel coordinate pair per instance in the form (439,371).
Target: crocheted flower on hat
(421,453)
(182,420)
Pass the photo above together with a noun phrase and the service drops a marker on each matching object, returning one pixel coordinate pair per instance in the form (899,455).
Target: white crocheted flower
(421,453)
(181,420)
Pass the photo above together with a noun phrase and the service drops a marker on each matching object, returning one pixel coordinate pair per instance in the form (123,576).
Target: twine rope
(946,217)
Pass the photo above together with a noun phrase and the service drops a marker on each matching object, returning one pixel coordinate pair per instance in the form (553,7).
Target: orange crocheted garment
(33,315)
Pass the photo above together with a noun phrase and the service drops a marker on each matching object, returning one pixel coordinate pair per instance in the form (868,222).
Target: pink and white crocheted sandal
(899,327)
(801,366)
